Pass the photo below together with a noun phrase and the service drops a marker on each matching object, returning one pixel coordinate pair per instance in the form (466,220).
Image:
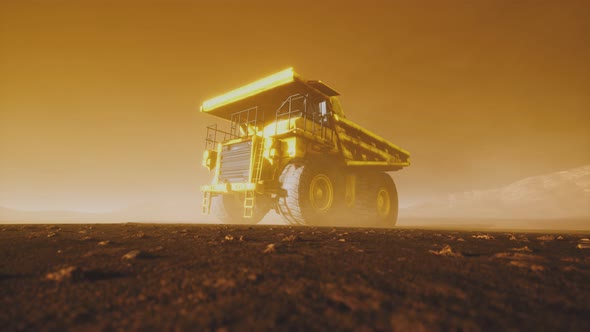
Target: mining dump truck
(286,145)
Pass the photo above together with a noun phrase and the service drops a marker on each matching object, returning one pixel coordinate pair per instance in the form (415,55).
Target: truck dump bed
(363,148)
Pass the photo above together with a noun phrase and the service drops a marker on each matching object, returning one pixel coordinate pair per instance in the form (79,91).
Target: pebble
(484,237)
(133,254)
(546,238)
(446,251)
(290,238)
(269,249)
(523,249)
(66,273)
(584,244)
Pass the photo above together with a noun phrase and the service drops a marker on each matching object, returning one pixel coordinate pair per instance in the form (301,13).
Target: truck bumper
(225,188)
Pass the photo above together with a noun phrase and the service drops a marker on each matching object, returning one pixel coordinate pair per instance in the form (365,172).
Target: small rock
(355,249)
(241,238)
(133,254)
(89,254)
(64,274)
(341,240)
(140,235)
(518,256)
(512,238)
(527,265)
(221,283)
(291,238)
(229,238)
(269,249)
(571,268)
(52,234)
(560,237)
(483,237)
(571,260)
(104,243)
(527,261)
(546,238)
(523,249)
(86,238)
(446,251)
(584,244)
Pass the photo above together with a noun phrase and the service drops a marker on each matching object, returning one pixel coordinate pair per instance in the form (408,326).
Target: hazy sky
(99,99)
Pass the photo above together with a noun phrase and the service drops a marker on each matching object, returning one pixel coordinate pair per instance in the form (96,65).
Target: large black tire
(311,193)
(229,208)
(376,201)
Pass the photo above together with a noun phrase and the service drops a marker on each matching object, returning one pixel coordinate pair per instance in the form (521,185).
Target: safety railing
(315,120)
(244,123)
(215,135)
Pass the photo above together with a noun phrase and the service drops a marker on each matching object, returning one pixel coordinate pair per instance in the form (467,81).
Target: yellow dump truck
(286,145)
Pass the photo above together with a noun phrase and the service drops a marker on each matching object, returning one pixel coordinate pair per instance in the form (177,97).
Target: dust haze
(99,100)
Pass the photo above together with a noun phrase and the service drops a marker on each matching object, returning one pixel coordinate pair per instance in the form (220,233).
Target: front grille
(235,162)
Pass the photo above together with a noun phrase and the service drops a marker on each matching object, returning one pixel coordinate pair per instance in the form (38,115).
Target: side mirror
(209,159)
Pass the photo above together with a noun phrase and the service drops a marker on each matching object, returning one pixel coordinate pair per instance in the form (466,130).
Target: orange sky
(99,99)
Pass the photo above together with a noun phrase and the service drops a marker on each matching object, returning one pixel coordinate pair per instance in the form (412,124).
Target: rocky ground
(209,277)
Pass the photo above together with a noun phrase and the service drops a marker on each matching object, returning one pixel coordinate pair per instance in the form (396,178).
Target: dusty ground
(190,277)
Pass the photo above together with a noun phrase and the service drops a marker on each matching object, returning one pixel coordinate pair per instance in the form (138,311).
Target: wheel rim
(383,203)
(321,193)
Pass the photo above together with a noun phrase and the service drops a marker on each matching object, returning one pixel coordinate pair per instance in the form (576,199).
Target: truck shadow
(96,275)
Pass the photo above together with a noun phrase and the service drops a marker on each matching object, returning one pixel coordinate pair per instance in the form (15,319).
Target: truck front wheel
(310,193)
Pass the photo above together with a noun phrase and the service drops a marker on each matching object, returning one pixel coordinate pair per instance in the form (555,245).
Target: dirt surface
(203,277)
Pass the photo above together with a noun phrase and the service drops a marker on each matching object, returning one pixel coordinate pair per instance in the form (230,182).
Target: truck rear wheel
(311,193)
(229,208)
(376,200)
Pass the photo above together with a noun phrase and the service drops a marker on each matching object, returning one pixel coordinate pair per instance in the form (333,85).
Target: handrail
(318,121)
(211,138)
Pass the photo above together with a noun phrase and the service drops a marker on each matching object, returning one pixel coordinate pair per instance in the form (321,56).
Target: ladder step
(249,202)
